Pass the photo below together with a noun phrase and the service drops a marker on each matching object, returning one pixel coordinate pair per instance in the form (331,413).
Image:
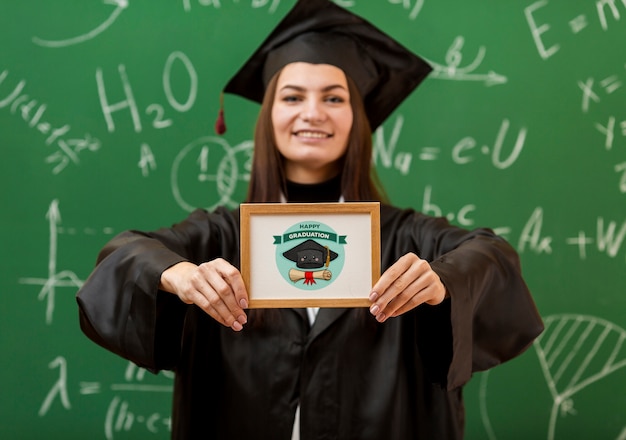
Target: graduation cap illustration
(310,255)
(320,32)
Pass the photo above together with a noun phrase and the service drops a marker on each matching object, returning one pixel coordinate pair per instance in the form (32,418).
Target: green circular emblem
(310,255)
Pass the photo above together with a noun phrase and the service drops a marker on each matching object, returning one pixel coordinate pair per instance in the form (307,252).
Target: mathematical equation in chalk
(413,7)
(502,151)
(607,12)
(606,237)
(120,416)
(610,128)
(15,99)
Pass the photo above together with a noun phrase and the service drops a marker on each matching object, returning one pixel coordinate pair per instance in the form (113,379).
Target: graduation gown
(354,378)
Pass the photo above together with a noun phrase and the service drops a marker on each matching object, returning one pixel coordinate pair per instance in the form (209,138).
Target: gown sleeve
(120,305)
(492,316)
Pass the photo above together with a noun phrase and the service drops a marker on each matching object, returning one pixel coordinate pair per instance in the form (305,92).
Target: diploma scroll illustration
(296,275)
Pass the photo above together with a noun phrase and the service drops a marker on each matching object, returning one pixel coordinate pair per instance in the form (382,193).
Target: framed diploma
(310,255)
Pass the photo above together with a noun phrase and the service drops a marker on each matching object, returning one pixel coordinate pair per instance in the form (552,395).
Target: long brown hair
(359,179)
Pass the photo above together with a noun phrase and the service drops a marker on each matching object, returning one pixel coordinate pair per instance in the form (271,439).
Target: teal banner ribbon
(311,234)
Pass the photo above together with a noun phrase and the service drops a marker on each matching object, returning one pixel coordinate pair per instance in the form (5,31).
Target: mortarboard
(320,32)
(310,255)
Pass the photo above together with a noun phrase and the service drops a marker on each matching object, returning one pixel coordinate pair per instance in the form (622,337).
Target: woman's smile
(309,134)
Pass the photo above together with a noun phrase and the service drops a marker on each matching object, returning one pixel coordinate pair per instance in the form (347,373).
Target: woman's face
(312,119)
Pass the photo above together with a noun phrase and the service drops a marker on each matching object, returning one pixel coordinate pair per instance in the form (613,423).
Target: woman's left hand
(409,282)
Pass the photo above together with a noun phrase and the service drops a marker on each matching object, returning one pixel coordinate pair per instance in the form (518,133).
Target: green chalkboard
(106,123)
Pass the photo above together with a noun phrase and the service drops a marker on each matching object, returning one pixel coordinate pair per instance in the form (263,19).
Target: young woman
(449,301)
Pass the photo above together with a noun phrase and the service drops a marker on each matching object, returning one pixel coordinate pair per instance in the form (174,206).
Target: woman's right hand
(215,286)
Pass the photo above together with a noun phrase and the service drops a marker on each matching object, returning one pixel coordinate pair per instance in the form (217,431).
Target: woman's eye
(335,99)
(291,98)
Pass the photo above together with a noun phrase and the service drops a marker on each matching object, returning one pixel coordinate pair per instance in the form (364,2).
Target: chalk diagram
(207,160)
(56,278)
(453,70)
(210,164)
(577,355)
(121,415)
(120,5)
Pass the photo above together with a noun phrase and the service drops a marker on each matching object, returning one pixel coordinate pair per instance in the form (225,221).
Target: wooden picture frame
(310,255)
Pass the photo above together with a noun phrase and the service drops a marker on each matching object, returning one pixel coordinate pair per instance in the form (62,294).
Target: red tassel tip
(220,124)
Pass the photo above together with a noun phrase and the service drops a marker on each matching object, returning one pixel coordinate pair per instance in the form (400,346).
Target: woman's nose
(312,112)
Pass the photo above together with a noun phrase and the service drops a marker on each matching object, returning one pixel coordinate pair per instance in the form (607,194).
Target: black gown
(354,378)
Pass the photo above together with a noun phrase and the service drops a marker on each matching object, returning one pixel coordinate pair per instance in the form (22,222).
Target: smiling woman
(312,120)
(357,176)
(448,303)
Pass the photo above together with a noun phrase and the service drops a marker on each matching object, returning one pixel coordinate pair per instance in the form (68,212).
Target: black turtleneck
(327,191)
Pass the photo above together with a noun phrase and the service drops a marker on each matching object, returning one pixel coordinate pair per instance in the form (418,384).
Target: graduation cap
(310,255)
(320,32)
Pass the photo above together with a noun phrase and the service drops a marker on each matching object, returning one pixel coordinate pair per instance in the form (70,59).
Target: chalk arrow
(466,73)
(490,79)
(54,218)
(120,5)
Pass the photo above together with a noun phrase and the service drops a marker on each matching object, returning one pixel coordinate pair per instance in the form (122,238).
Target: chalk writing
(120,5)
(119,418)
(582,241)
(463,152)
(133,377)
(413,8)
(574,353)
(601,6)
(538,27)
(461,217)
(385,150)
(538,30)
(224,176)
(109,109)
(63,278)
(532,235)
(592,93)
(255,4)
(568,367)
(147,162)
(609,133)
(59,389)
(621,168)
(454,71)
(609,238)
(129,102)
(609,85)
(32,112)
(429,153)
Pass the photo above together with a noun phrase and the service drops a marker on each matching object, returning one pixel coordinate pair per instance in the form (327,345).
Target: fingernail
(243,303)
(381,317)
(242,319)
(237,326)
(374,310)
(373,296)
